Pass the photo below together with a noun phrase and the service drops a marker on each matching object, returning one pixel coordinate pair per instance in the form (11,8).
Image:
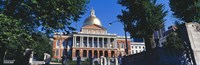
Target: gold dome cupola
(92,19)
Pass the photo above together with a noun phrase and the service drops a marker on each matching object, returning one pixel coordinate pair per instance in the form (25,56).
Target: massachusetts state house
(92,41)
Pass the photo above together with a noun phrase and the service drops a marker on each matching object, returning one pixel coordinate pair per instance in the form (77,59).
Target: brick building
(92,41)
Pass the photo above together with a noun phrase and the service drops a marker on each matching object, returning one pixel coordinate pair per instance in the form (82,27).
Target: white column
(102,42)
(105,61)
(98,42)
(116,61)
(93,42)
(74,41)
(83,42)
(101,60)
(108,43)
(80,43)
(115,42)
(87,42)
(108,60)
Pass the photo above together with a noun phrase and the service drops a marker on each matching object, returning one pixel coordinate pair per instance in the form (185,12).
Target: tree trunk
(149,42)
(2,53)
(19,60)
(23,57)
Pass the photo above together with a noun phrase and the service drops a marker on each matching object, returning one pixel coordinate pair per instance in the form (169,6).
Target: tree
(14,40)
(42,45)
(8,35)
(186,10)
(30,19)
(173,43)
(142,18)
(51,15)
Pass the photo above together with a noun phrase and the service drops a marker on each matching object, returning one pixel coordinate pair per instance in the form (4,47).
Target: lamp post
(125,28)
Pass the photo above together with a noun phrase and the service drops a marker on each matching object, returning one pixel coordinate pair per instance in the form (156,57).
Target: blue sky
(107,11)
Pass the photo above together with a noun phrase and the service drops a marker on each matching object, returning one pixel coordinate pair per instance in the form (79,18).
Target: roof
(94,26)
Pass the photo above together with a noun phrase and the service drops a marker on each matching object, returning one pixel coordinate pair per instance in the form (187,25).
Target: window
(132,51)
(105,42)
(84,53)
(132,46)
(95,44)
(78,41)
(122,45)
(77,44)
(85,41)
(139,47)
(117,45)
(57,52)
(136,47)
(63,43)
(58,43)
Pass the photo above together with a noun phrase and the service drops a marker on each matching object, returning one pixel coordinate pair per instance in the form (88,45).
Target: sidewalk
(42,62)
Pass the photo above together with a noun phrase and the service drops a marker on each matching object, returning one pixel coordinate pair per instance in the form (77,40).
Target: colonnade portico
(94,46)
(105,42)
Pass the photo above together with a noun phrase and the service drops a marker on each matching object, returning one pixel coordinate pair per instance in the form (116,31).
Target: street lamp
(125,28)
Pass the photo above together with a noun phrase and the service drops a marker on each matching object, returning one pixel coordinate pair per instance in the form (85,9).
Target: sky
(107,11)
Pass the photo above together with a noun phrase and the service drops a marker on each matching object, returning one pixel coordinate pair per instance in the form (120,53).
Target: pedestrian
(47,59)
(64,60)
(78,60)
(120,59)
(91,61)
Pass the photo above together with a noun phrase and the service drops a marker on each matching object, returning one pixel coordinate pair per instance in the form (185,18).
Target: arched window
(122,45)
(58,43)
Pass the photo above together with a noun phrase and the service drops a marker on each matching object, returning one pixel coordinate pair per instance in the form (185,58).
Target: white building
(137,47)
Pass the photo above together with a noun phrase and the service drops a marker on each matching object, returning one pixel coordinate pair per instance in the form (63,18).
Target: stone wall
(190,33)
(159,56)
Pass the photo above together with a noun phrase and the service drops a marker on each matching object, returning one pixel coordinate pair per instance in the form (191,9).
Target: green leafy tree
(186,10)
(44,45)
(14,40)
(173,43)
(13,36)
(142,18)
(22,21)
(51,15)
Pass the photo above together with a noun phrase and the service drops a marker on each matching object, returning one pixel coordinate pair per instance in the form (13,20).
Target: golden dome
(92,19)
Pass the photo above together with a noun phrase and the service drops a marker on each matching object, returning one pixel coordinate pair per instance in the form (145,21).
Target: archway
(84,53)
(112,54)
(106,53)
(77,53)
(90,54)
(95,54)
(100,53)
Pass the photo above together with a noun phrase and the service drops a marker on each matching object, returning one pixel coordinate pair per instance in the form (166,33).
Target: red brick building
(92,41)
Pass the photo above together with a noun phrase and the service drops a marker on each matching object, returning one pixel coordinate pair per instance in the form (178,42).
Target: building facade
(61,41)
(92,41)
(137,47)
(161,34)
